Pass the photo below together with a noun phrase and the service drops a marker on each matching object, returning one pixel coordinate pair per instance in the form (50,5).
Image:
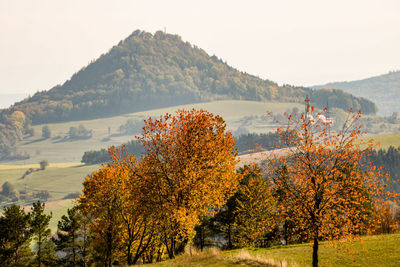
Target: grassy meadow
(106,131)
(384,141)
(382,251)
(58,150)
(59,179)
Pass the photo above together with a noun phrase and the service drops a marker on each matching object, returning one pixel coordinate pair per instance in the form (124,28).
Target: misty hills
(147,71)
(384,90)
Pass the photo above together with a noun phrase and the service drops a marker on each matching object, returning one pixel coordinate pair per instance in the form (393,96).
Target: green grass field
(57,150)
(59,181)
(384,141)
(383,250)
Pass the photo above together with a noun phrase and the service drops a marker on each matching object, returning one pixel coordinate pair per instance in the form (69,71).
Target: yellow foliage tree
(190,169)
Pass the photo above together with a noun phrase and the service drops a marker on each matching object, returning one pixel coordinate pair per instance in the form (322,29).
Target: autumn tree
(386,221)
(114,199)
(190,169)
(100,202)
(135,216)
(323,186)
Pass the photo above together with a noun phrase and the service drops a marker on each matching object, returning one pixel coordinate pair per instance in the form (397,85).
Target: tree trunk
(172,250)
(315,252)
(229,236)
(73,249)
(39,251)
(109,248)
(202,238)
(129,253)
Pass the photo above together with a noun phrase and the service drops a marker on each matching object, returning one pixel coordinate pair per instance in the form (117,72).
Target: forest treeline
(186,190)
(246,143)
(132,147)
(253,142)
(390,159)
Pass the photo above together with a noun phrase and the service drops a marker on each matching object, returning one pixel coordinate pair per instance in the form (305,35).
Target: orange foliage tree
(189,170)
(135,217)
(113,199)
(100,202)
(324,187)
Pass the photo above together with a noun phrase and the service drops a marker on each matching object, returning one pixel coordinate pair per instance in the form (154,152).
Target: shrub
(46,133)
(43,164)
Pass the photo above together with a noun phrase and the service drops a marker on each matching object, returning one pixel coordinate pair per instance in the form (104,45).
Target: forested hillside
(147,71)
(383,90)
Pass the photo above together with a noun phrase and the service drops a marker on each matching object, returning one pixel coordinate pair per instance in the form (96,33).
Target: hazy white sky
(301,42)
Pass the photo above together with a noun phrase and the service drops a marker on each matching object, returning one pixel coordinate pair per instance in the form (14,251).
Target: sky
(307,42)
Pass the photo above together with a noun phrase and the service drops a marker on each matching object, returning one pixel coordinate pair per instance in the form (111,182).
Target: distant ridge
(384,90)
(147,71)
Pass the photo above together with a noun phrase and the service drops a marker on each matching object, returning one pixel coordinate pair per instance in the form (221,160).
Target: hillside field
(59,150)
(384,141)
(373,251)
(60,180)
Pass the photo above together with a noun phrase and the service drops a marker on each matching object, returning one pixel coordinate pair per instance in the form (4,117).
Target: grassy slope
(383,250)
(386,140)
(60,181)
(56,150)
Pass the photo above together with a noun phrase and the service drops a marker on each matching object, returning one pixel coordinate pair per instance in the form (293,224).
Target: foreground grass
(382,250)
(214,258)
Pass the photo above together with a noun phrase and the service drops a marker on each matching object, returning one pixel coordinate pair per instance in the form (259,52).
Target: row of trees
(318,189)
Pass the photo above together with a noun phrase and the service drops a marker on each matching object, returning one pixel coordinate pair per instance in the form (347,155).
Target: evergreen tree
(14,237)
(46,133)
(39,223)
(255,220)
(224,220)
(72,238)
(49,256)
